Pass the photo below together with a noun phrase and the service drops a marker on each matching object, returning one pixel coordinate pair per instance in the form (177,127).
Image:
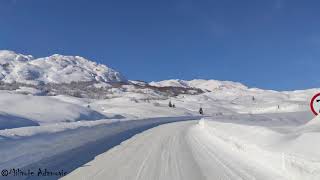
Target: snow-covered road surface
(158,153)
(179,151)
(70,145)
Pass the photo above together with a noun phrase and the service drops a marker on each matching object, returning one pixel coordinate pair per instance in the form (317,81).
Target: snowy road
(158,153)
(177,151)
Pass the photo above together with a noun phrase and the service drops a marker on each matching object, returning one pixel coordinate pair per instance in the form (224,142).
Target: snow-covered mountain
(30,71)
(208,85)
(16,67)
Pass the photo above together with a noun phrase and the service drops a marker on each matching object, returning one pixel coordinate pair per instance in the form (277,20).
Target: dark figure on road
(201,111)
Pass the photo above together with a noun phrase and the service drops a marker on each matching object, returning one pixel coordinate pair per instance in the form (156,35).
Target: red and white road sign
(315,104)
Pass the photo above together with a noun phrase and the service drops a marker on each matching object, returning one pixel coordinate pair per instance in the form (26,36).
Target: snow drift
(8,121)
(288,151)
(24,110)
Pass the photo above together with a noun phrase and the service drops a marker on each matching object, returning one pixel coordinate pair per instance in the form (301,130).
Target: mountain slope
(53,69)
(207,85)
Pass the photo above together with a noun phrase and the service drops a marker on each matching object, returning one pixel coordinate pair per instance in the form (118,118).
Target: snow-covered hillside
(208,85)
(17,110)
(227,96)
(16,67)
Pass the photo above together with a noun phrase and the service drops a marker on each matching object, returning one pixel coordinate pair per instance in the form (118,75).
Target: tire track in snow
(159,153)
(179,151)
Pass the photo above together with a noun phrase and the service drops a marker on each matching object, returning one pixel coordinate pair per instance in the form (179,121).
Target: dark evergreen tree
(201,111)
(170,104)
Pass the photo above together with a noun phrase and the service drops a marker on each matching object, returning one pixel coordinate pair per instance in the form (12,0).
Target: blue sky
(273,44)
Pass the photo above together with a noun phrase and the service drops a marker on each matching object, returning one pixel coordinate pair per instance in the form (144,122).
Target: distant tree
(201,111)
(170,104)
(173,105)
(253,98)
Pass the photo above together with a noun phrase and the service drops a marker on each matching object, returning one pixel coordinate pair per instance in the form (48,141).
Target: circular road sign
(315,104)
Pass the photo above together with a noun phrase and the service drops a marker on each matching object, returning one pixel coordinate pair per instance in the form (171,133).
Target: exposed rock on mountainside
(53,69)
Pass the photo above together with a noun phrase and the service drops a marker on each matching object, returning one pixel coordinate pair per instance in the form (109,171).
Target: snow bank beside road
(289,151)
